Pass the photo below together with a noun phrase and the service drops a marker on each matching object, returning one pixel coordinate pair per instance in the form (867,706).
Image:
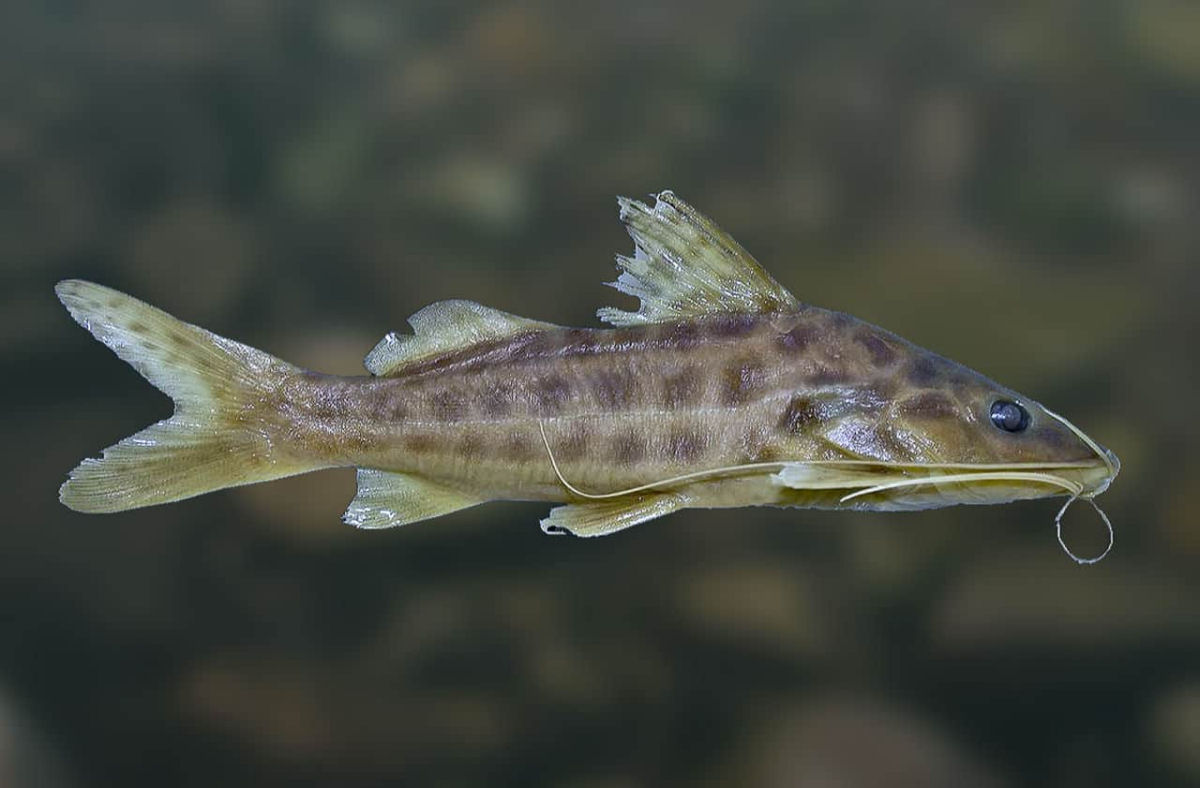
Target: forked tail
(220,434)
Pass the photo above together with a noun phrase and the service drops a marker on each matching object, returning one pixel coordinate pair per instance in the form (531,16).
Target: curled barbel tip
(1103,517)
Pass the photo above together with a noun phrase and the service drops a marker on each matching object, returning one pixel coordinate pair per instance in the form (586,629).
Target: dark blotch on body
(875,395)
(518,446)
(741,381)
(495,399)
(800,414)
(551,392)
(389,406)
(680,336)
(572,445)
(731,325)
(682,388)
(448,405)
(758,447)
(628,448)
(470,445)
(798,339)
(826,375)
(685,445)
(768,452)
(960,378)
(922,371)
(929,405)
(613,388)
(881,351)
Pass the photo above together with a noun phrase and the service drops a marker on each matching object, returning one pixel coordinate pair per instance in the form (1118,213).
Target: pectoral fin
(597,518)
(387,499)
(684,266)
(813,476)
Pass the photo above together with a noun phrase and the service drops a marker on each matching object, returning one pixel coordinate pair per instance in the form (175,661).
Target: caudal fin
(213,440)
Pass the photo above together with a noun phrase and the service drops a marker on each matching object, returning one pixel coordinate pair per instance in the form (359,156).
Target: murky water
(1013,187)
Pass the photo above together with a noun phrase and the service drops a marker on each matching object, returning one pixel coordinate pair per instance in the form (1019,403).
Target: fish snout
(1098,479)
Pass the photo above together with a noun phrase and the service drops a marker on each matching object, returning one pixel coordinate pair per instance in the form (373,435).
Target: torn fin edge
(685,266)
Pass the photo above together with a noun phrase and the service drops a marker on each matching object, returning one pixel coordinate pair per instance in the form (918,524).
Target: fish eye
(1009,416)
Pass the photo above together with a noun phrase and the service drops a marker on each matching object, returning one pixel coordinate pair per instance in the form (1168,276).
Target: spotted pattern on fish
(929,405)
(448,405)
(882,353)
(720,366)
(685,445)
(518,446)
(682,388)
(574,444)
(552,393)
(613,389)
(922,372)
(828,375)
(797,339)
(628,447)
(801,412)
(732,325)
(742,380)
(496,400)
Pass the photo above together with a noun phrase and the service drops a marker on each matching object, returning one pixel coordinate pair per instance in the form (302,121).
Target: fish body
(722,390)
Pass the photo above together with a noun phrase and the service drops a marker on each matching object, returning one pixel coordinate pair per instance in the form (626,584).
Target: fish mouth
(994,483)
(1102,476)
(982,483)
(920,486)
(863,482)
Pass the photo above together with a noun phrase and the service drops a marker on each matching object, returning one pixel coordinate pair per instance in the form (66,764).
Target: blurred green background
(1014,185)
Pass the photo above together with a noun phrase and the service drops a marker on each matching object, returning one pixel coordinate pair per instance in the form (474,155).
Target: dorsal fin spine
(684,266)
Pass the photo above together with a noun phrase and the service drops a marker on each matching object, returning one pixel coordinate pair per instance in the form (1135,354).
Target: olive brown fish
(722,390)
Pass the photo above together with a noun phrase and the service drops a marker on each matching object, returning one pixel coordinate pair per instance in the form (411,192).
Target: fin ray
(386,499)
(809,476)
(684,265)
(207,444)
(598,518)
(441,328)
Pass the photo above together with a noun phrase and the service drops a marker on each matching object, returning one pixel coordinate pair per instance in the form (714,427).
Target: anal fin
(598,518)
(387,499)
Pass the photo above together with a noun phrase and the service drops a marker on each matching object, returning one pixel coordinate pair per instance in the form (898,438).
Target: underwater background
(1014,185)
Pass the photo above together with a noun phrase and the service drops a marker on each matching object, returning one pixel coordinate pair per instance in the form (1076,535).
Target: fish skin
(719,367)
(624,407)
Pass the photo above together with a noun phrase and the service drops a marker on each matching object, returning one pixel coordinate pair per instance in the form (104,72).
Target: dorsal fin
(685,266)
(441,328)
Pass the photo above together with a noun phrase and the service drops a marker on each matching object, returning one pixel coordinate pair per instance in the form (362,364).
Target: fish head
(972,440)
